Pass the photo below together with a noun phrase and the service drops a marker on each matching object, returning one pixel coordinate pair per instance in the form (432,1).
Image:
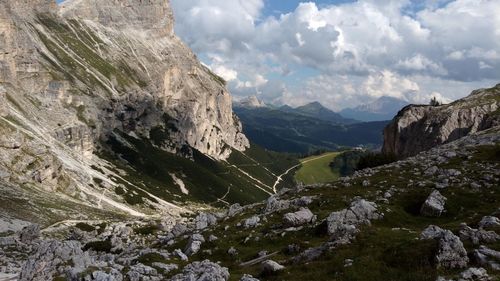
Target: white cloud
(224,72)
(360,50)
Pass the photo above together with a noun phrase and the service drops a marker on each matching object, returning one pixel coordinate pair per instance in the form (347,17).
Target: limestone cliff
(418,128)
(71,78)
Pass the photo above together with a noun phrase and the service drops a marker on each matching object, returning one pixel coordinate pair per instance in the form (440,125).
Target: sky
(345,53)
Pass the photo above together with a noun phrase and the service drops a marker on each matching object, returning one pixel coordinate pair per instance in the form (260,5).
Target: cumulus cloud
(349,52)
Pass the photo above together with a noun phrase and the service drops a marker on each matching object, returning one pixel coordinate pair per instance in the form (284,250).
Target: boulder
(112,275)
(276,205)
(204,220)
(165,267)
(342,225)
(194,244)
(140,272)
(247,277)
(301,217)
(180,254)
(202,271)
(29,233)
(475,274)
(487,257)
(234,210)
(489,221)
(49,255)
(433,205)
(477,236)
(251,222)
(451,252)
(271,266)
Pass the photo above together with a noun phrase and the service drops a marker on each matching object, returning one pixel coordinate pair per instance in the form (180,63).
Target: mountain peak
(383,108)
(251,102)
(314,104)
(316,110)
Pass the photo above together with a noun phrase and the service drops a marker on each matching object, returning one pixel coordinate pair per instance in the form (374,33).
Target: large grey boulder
(451,252)
(487,257)
(301,217)
(112,275)
(234,210)
(433,205)
(140,272)
(342,225)
(271,266)
(49,256)
(477,236)
(204,220)
(251,222)
(274,204)
(29,233)
(202,271)
(194,244)
(489,221)
(475,274)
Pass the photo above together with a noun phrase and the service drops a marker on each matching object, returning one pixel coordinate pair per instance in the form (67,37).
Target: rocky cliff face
(417,128)
(73,78)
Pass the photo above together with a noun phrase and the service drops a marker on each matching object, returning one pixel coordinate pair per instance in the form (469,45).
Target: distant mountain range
(318,111)
(384,108)
(285,130)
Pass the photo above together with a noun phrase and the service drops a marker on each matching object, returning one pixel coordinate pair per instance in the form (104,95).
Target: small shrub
(146,230)
(99,246)
(134,199)
(119,190)
(85,227)
(98,181)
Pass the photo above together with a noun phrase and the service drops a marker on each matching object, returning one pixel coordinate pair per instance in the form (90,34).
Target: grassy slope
(206,179)
(316,169)
(386,250)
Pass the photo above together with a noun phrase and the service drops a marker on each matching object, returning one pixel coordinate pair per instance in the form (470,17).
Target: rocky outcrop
(433,205)
(204,270)
(73,78)
(342,225)
(50,255)
(418,128)
(303,216)
(451,252)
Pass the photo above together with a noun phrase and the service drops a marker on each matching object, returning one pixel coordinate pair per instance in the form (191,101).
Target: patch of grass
(316,169)
(206,179)
(150,258)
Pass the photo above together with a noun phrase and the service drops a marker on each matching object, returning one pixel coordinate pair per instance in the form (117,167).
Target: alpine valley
(121,159)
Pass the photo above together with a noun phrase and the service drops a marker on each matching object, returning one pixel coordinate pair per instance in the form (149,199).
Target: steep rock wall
(418,128)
